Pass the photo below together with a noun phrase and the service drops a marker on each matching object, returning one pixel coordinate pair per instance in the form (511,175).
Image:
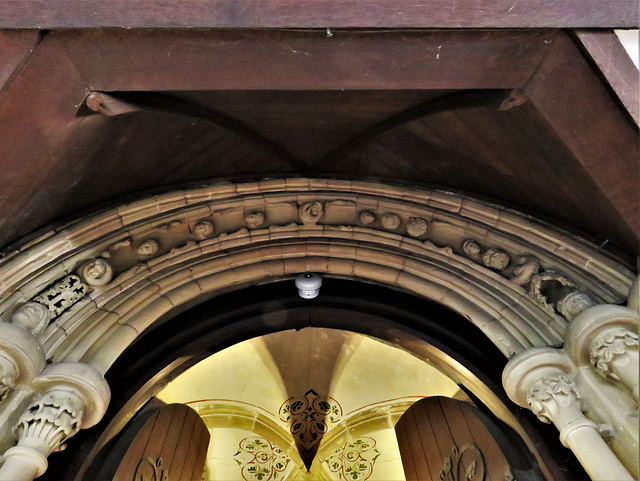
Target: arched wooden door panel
(442,439)
(171,445)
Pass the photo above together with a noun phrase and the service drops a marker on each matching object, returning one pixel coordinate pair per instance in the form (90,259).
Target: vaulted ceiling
(535,119)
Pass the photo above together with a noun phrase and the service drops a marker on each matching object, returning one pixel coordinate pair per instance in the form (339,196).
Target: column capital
(69,396)
(591,324)
(527,370)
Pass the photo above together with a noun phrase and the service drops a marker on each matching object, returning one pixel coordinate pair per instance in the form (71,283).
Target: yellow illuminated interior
(241,393)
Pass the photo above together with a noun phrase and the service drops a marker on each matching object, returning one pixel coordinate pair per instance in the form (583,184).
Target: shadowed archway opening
(167,349)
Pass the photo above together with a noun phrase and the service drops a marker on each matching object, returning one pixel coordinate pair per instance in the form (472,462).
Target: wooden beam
(165,60)
(16,46)
(52,14)
(35,114)
(586,116)
(605,50)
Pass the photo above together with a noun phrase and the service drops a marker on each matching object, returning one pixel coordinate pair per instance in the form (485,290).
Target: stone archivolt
(105,279)
(340,223)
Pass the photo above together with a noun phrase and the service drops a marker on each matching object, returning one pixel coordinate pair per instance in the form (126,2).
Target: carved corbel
(69,396)
(21,358)
(542,380)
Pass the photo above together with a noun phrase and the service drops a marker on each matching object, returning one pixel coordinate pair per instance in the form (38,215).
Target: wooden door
(171,446)
(442,439)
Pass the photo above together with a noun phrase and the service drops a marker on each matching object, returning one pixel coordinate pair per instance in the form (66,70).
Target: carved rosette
(495,259)
(550,395)
(254,219)
(613,347)
(148,248)
(311,212)
(49,421)
(367,217)
(417,227)
(391,221)
(96,272)
(203,229)
(573,304)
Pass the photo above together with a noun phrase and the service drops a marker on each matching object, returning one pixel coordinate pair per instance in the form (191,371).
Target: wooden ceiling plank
(187,60)
(16,47)
(318,14)
(585,116)
(35,113)
(610,57)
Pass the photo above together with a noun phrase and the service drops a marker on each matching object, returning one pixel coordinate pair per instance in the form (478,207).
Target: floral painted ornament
(355,460)
(259,460)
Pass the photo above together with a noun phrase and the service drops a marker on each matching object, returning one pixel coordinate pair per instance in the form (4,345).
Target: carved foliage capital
(49,421)
(609,346)
(551,394)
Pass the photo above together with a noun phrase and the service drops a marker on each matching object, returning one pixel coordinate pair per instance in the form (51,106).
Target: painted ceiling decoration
(309,418)
(240,395)
(259,460)
(354,461)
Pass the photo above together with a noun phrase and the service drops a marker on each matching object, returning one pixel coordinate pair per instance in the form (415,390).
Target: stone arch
(149,260)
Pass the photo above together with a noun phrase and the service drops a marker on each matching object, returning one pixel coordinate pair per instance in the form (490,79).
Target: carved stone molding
(536,287)
(155,251)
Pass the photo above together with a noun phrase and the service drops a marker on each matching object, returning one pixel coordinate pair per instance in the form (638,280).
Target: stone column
(69,396)
(541,380)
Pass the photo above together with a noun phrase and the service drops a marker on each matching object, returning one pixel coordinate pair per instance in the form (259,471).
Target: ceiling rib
(118,103)
(497,99)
